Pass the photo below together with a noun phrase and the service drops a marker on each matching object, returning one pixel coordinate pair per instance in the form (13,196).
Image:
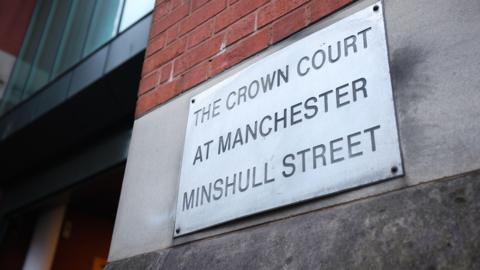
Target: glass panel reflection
(21,70)
(48,47)
(104,24)
(73,40)
(134,10)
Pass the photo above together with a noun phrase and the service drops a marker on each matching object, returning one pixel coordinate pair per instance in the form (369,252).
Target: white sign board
(311,119)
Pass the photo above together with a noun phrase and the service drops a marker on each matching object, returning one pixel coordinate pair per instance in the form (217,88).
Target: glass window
(134,10)
(48,47)
(104,24)
(70,50)
(19,75)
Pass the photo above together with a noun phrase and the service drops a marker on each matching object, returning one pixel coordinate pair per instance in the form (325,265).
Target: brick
(198,54)
(321,9)
(144,103)
(201,15)
(198,3)
(169,20)
(244,49)
(161,10)
(155,44)
(148,83)
(289,24)
(240,29)
(200,34)
(166,72)
(235,12)
(175,4)
(159,95)
(277,9)
(171,34)
(196,75)
(159,58)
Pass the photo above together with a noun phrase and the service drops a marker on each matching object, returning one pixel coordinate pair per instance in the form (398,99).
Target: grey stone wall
(431,226)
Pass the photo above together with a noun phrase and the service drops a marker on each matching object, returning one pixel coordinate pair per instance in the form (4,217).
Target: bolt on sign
(314,118)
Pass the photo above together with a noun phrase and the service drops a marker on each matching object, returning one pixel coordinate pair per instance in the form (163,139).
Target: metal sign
(311,119)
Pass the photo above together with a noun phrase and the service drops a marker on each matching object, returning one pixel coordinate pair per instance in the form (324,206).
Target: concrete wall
(426,219)
(41,252)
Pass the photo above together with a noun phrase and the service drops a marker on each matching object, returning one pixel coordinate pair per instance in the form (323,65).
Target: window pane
(104,24)
(48,47)
(70,50)
(134,10)
(16,82)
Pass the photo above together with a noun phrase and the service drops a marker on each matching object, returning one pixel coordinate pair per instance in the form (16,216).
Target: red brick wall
(193,40)
(14,19)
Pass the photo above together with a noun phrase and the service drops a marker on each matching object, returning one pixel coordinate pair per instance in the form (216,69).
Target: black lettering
(340,95)
(257,88)
(197,112)
(251,132)
(242,93)
(206,113)
(267,84)
(289,165)
(242,189)
(362,88)
(207,144)
(298,66)
(228,99)
(217,187)
(372,136)
(309,107)
(330,57)
(228,184)
(224,145)
(188,201)
(294,112)
(254,177)
(267,180)
(238,138)
(302,153)
(318,155)
(351,144)
(325,98)
(198,155)
(314,59)
(333,150)
(196,197)
(282,119)
(283,75)
(364,36)
(216,106)
(262,132)
(206,194)
(350,42)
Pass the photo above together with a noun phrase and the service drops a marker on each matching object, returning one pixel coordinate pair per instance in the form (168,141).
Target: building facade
(66,115)
(106,118)
(423,219)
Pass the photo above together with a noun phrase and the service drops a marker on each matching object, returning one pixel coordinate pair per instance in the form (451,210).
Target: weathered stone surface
(434,62)
(147,261)
(430,226)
